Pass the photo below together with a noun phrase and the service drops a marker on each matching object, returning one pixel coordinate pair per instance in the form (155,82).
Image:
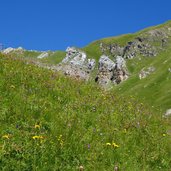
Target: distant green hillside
(93,49)
(153,90)
(55,57)
(51,122)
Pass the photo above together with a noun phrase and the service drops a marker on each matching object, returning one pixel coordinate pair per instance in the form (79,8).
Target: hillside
(153,90)
(52,122)
(152,62)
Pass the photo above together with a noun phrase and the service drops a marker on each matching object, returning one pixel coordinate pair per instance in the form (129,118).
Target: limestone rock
(110,71)
(76,64)
(10,49)
(91,64)
(71,52)
(168,112)
(148,44)
(106,64)
(120,72)
(43,55)
(145,72)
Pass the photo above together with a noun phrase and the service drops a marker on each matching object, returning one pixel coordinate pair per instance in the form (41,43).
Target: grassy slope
(55,57)
(153,90)
(49,122)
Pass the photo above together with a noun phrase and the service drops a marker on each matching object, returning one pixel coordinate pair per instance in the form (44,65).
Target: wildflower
(12,86)
(37,126)
(5,136)
(115,145)
(108,144)
(164,135)
(60,137)
(125,131)
(37,137)
(61,143)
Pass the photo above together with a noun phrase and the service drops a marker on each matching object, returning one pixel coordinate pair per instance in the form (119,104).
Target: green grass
(51,122)
(54,58)
(153,90)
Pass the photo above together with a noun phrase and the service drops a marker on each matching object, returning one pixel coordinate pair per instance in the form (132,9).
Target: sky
(57,24)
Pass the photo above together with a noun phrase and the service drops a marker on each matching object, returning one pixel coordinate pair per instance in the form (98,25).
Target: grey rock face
(71,52)
(144,45)
(110,72)
(120,72)
(43,55)
(10,49)
(145,72)
(76,64)
(91,64)
(113,49)
(105,70)
(168,112)
(106,64)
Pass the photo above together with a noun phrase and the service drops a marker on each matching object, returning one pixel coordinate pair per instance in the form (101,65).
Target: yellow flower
(125,131)
(115,145)
(164,135)
(61,143)
(5,136)
(12,86)
(37,137)
(108,144)
(60,137)
(37,126)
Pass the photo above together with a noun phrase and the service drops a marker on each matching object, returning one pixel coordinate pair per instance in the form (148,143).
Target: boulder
(79,59)
(120,72)
(145,72)
(168,112)
(91,64)
(110,71)
(70,53)
(10,49)
(106,64)
(76,64)
(105,70)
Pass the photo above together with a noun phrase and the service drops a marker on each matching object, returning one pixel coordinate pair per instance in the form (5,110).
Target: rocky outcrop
(110,71)
(120,71)
(147,44)
(112,64)
(10,49)
(76,64)
(76,57)
(43,55)
(105,70)
(168,112)
(145,72)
